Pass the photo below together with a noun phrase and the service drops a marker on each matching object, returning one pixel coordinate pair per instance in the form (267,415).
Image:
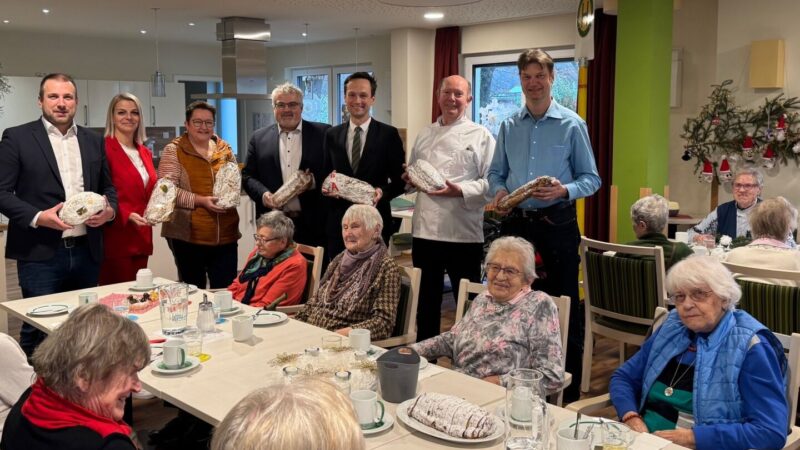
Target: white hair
(366,214)
(653,210)
(287,88)
(518,246)
(700,270)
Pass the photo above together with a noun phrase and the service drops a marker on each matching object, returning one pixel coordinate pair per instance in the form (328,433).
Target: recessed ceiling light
(191,24)
(6,21)
(305,34)
(434,16)
(143,31)
(46,11)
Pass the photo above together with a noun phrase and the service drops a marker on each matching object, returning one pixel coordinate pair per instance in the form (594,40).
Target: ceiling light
(46,11)
(304,34)
(433,16)
(6,21)
(191,24)
(143,31)
(158,84)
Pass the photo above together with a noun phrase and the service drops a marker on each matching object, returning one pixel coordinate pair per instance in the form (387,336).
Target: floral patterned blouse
(495,338)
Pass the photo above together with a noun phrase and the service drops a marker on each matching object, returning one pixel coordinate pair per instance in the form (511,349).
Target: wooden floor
(151,414)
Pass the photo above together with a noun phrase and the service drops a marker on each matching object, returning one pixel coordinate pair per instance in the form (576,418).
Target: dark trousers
(205,265)
(555,236)
(434,258)
(69,269)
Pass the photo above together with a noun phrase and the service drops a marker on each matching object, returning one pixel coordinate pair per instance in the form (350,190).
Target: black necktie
(356,149)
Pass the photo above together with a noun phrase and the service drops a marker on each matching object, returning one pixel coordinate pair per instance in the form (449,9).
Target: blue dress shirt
(556,145)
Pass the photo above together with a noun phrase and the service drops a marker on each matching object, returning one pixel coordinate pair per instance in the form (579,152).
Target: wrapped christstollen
(452,415)
(298,183)
(425,177)
(228,185)
(78,208)
(162,202)
(522,193)
(349,188)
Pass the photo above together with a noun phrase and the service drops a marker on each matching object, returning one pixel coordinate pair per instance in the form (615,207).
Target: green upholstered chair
(623,285)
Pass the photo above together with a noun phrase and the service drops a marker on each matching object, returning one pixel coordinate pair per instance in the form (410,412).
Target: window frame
(335,96)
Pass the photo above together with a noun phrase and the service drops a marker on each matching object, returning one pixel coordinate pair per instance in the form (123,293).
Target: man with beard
(278,151)
(42,164)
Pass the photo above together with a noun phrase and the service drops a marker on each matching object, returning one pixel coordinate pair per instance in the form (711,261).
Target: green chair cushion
(622,285)
(774,306)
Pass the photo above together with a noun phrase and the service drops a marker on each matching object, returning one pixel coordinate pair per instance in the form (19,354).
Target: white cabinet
(141,89)
(21,105)
(100,93)
(169,111)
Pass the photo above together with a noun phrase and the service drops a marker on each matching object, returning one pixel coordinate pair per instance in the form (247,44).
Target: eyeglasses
(262,240)
(494,269)
(744,186)
(290,105)
(199,123)
(697,295)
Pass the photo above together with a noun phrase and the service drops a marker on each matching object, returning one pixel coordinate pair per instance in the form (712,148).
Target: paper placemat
(647,441)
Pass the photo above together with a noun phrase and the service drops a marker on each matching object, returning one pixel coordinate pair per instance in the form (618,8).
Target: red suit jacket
(123,238)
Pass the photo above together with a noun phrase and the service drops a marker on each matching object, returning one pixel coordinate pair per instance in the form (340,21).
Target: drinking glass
(121,306)
(174,307)
(194,341)
(527,422)
(331,341)
(709,242)
(617,436)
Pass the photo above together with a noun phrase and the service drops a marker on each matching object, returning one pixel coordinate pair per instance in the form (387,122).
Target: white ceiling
(327,19)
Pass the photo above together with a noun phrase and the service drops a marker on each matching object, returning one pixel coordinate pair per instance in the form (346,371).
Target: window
(496,89)
(318,86)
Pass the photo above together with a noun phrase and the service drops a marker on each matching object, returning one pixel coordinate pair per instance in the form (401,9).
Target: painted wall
(717,46)
(25,54)
(544,32)
(412,52)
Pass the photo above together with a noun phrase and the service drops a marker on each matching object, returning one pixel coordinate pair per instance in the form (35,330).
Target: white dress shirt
(290,147)
(351,131)
(70,168)
(462,153)
(136,159)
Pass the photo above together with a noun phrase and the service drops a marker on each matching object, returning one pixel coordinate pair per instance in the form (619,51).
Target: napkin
(647,441)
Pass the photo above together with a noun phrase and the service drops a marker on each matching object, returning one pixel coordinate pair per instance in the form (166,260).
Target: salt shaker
(205,316)
(342,381)
(289,374)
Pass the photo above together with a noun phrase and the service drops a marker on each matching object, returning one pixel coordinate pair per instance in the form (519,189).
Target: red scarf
(46,409)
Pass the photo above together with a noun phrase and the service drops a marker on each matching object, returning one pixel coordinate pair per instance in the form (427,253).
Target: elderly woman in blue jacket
(712,376)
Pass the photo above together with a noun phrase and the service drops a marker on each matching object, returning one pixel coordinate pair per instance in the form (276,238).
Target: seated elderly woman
(649,216)
(361,287)
(770,221)
(308,414)
(274,268)
(507,327)
(82,381)
(711,376)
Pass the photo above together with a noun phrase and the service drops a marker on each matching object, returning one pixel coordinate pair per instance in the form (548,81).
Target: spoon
(577,424)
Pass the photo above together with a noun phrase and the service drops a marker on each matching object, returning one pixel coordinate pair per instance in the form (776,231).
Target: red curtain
(445,60)
(600,120)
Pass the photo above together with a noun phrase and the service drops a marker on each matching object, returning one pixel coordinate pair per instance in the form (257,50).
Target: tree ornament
(748,148)
(768,158)
(707,176)
(780,129)
(796,148)
(716,121)
(724,172)
(687,156)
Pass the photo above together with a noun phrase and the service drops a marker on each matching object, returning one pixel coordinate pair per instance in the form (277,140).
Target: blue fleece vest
(716,396)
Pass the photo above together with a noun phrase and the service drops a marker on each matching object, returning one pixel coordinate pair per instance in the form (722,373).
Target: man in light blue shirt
(545,138)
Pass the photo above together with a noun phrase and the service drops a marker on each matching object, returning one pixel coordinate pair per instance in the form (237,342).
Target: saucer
(269,318)
(231,311)
(423,363)
(190,363)
(388,421)
(51,309)
(136,288)
(191,289)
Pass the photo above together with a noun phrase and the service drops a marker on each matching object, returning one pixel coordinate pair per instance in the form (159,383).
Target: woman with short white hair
(361,287)
(509,326)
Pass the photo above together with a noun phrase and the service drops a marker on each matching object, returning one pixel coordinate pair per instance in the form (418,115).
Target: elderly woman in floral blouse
(507,327)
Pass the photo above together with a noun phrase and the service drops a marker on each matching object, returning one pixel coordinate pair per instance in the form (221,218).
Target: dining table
(231,370)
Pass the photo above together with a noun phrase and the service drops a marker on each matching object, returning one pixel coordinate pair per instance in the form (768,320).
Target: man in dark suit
(43,163)
(365,149)
(279,150)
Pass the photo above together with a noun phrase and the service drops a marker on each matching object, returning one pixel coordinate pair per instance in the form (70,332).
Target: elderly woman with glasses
(770,222)
(275,270)
(361,287)
(509,326)
(85,370)
(711,376)
(649,216)
(201,235)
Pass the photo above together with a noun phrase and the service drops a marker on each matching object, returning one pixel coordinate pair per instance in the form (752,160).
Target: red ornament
(716,121)
(781,122)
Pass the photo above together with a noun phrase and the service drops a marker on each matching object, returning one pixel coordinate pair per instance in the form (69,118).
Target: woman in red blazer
(128,240)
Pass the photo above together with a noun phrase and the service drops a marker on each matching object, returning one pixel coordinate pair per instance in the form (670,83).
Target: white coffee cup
(682,236)
(369,410)
(242,327)
(359,339)
(522,404)
(144,278)
(174,354)
(566,439)
(223,299)
(84,298)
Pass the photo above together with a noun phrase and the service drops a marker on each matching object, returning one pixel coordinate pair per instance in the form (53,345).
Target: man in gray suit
(281,149)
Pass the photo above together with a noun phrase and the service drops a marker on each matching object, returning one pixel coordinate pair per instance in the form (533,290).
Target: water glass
(174,307)
(617,437)
(331,341)
(527,421)
(121,306)
(194,341)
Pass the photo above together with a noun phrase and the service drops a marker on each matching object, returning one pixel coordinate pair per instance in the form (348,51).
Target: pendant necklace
(669,391)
